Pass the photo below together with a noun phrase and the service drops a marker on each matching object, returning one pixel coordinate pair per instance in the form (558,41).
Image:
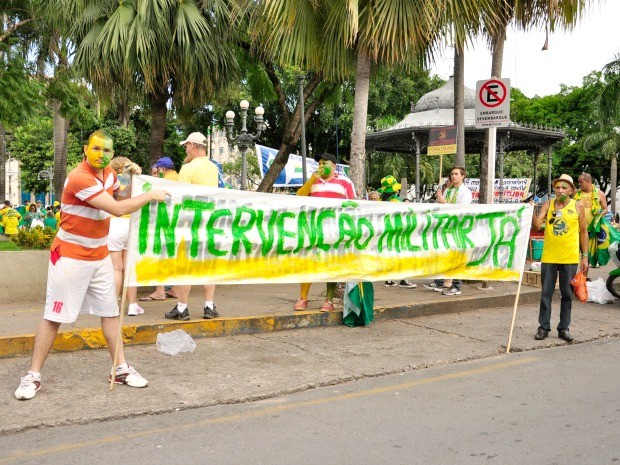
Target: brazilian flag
(359,303)
(601,235)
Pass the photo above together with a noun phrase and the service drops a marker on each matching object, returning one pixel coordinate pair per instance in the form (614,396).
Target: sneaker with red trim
(130,377)
(28,387)
(327,306)
(302,304)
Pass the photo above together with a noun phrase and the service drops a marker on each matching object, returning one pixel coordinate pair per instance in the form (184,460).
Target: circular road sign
(492,93)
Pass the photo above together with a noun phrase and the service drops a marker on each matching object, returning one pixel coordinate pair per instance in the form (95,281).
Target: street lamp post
(47,175)
(244,139)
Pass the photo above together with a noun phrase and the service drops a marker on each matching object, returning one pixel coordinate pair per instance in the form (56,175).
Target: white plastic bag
(598,293)
(174,342)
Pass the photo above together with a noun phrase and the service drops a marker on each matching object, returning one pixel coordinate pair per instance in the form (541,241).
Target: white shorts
(118,237)
(80,286)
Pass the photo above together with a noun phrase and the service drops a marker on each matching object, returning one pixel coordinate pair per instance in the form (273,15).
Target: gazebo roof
(436,108)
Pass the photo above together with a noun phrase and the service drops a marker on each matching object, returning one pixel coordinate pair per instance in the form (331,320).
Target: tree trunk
(358,130)
(158,126)
(61,130)
(497,43)
(3,188)
(292,121)
(459,104)
(614,182)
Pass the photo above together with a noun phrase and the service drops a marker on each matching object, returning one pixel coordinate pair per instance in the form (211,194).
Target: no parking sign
(492,103)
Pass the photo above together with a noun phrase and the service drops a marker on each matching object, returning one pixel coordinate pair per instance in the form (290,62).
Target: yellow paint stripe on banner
(312,268)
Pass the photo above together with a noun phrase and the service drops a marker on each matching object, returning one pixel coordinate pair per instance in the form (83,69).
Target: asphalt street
(558,405)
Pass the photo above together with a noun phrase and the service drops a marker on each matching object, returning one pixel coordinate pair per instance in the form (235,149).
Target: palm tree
(608,110)
(340,37)
(608,140)
(525,14)
(167,50)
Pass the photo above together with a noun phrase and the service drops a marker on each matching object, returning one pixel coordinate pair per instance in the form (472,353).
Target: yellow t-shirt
(171,175)
(199,171)
(561,235)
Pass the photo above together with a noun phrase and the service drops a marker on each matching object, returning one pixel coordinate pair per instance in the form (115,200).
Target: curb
(92,338)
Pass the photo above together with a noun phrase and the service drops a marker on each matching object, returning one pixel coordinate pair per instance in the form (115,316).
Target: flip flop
(149,298)
(171,295)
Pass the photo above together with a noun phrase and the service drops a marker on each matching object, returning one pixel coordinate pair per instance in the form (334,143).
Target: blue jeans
(456,283)
(549,273)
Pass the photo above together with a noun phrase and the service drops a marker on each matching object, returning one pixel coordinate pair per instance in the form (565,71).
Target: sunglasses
(555,214)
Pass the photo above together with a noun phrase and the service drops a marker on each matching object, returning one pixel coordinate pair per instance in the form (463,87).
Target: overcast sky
(570,57)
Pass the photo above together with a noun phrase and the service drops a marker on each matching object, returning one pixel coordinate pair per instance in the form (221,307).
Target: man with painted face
(325,183)
(565,234)
(80,272)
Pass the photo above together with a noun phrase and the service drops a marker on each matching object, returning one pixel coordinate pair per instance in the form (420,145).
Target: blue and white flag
(292,174)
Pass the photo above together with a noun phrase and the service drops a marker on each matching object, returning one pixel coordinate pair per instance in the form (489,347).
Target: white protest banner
(205,235)
(292,173)
(515,189)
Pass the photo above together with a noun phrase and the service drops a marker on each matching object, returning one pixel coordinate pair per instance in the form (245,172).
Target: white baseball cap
(195,138)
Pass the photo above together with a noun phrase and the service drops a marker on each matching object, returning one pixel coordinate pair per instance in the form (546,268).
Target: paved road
(558,405)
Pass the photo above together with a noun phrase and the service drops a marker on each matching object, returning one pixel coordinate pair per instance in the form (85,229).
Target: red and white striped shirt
(335,188)
(83,230)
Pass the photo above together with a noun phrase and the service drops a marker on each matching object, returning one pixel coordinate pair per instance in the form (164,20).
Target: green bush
(35,238)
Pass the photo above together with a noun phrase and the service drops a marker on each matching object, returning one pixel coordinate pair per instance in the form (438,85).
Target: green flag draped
(359,299)
(601,234)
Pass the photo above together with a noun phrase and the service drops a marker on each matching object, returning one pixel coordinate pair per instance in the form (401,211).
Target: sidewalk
(252,309)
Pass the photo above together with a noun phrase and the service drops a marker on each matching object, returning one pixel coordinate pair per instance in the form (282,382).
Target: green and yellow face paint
(99,151)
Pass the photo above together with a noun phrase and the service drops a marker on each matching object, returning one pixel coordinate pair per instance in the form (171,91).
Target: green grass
(8,246)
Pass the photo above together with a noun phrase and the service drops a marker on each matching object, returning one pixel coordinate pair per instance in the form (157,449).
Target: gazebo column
(417,167)
(549,167)
(535,172)
(500,155)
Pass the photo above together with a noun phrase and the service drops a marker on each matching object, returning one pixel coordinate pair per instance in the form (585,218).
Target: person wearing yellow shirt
(565,234)
(198,169)
(10,219)
(164,168)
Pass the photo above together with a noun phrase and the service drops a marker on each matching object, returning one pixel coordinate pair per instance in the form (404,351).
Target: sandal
(301,304)
(327,306)
(150,298)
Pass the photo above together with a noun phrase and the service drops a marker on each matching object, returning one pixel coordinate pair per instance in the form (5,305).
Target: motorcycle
(613,280)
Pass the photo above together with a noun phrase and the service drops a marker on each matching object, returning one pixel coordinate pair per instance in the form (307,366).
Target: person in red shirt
(80,271)
(325,183)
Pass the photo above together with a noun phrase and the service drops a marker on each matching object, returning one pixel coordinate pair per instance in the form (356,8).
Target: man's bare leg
(183,293)
(209,291)
(110,327)
(43,341)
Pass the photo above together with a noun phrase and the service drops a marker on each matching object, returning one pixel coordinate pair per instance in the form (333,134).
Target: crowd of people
(28,216)
(85,271)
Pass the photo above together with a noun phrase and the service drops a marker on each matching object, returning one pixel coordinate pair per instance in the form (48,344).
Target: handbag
(579,286)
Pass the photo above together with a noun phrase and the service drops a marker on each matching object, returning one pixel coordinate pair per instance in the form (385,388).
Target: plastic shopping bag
(598,293)
(579,286)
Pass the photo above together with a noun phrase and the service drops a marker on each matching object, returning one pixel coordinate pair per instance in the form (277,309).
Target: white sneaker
(28,387)
(135,310)
(130,377)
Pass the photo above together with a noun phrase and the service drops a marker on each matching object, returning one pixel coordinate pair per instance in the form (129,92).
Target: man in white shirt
(457,193)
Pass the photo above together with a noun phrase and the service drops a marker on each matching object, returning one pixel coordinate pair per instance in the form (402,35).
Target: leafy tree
(167,50)
(33,146)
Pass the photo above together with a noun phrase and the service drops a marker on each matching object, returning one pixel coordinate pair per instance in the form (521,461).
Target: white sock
(34,374)
(181,307)
(122,367)
(209,303)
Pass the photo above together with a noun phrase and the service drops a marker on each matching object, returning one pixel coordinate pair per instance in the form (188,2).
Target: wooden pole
(119,338)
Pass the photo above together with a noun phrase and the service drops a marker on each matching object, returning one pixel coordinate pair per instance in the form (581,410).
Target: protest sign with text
(207,235)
